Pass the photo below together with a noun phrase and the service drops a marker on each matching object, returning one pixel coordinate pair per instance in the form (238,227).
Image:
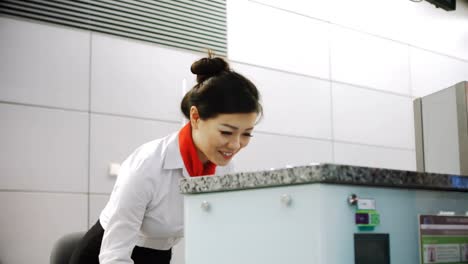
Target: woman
(143,219)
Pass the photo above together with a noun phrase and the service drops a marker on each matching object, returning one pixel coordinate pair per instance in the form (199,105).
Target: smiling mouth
(226,155)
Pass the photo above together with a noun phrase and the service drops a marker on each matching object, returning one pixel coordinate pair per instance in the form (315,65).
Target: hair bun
(206,67)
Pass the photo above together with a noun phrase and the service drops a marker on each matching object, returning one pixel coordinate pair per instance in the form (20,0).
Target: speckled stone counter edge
(325,173)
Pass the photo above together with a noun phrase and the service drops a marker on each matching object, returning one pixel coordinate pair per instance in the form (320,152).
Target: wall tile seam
(361,31)
(411,46)
(373,145)
(297,74)
(291,12)
(100,193)
(90,75)
(203,54)
(50,107)
(41,191)
(286,135)
(330,83)
(142,118)
(81,30)
(178,122)
(410,74)
(149,44)
(368,88)
(402,43)
(325,79)
(331,141)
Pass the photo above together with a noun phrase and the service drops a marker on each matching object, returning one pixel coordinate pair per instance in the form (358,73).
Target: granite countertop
(325,173)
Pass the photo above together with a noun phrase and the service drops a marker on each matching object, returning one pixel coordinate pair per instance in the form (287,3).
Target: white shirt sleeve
(132,193)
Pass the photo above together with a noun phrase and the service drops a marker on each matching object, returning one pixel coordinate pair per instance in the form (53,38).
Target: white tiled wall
(431,71)
(134,78)
(43,149)
(113,138)
(390,19)
(438,30)
(320,10)
(291,99)
(415,23)
(337,80)
(44,65)
(371,117)
(269,37)
(97,202)
(369,61)
(267,151)
(30,223)
(371,156)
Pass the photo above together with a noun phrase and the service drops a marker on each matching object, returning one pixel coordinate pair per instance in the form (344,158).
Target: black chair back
(64,247)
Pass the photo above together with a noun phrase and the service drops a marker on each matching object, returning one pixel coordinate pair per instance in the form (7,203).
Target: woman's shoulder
(157,145)
(150,153)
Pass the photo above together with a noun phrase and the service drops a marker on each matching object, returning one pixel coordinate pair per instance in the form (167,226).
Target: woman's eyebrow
(236,128)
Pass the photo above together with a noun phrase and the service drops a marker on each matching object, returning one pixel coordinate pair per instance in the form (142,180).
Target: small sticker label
(366,204)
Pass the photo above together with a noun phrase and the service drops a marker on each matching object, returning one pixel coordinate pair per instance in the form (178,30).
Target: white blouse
(146,208)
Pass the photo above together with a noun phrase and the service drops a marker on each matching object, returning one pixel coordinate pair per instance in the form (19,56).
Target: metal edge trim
(461,93)
(419,134)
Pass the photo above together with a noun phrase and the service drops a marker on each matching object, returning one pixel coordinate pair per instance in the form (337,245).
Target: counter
(302,215)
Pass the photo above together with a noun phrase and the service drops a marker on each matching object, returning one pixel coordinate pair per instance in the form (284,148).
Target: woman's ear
(194,116)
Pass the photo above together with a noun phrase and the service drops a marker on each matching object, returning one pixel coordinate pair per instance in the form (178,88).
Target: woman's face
(219,139)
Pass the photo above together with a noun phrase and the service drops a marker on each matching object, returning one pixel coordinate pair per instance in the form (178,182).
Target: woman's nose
(234,143)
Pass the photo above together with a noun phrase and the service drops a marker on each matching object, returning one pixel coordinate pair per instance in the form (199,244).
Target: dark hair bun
(206,67)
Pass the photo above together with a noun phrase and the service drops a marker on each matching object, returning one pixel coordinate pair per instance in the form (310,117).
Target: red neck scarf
(189,154)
